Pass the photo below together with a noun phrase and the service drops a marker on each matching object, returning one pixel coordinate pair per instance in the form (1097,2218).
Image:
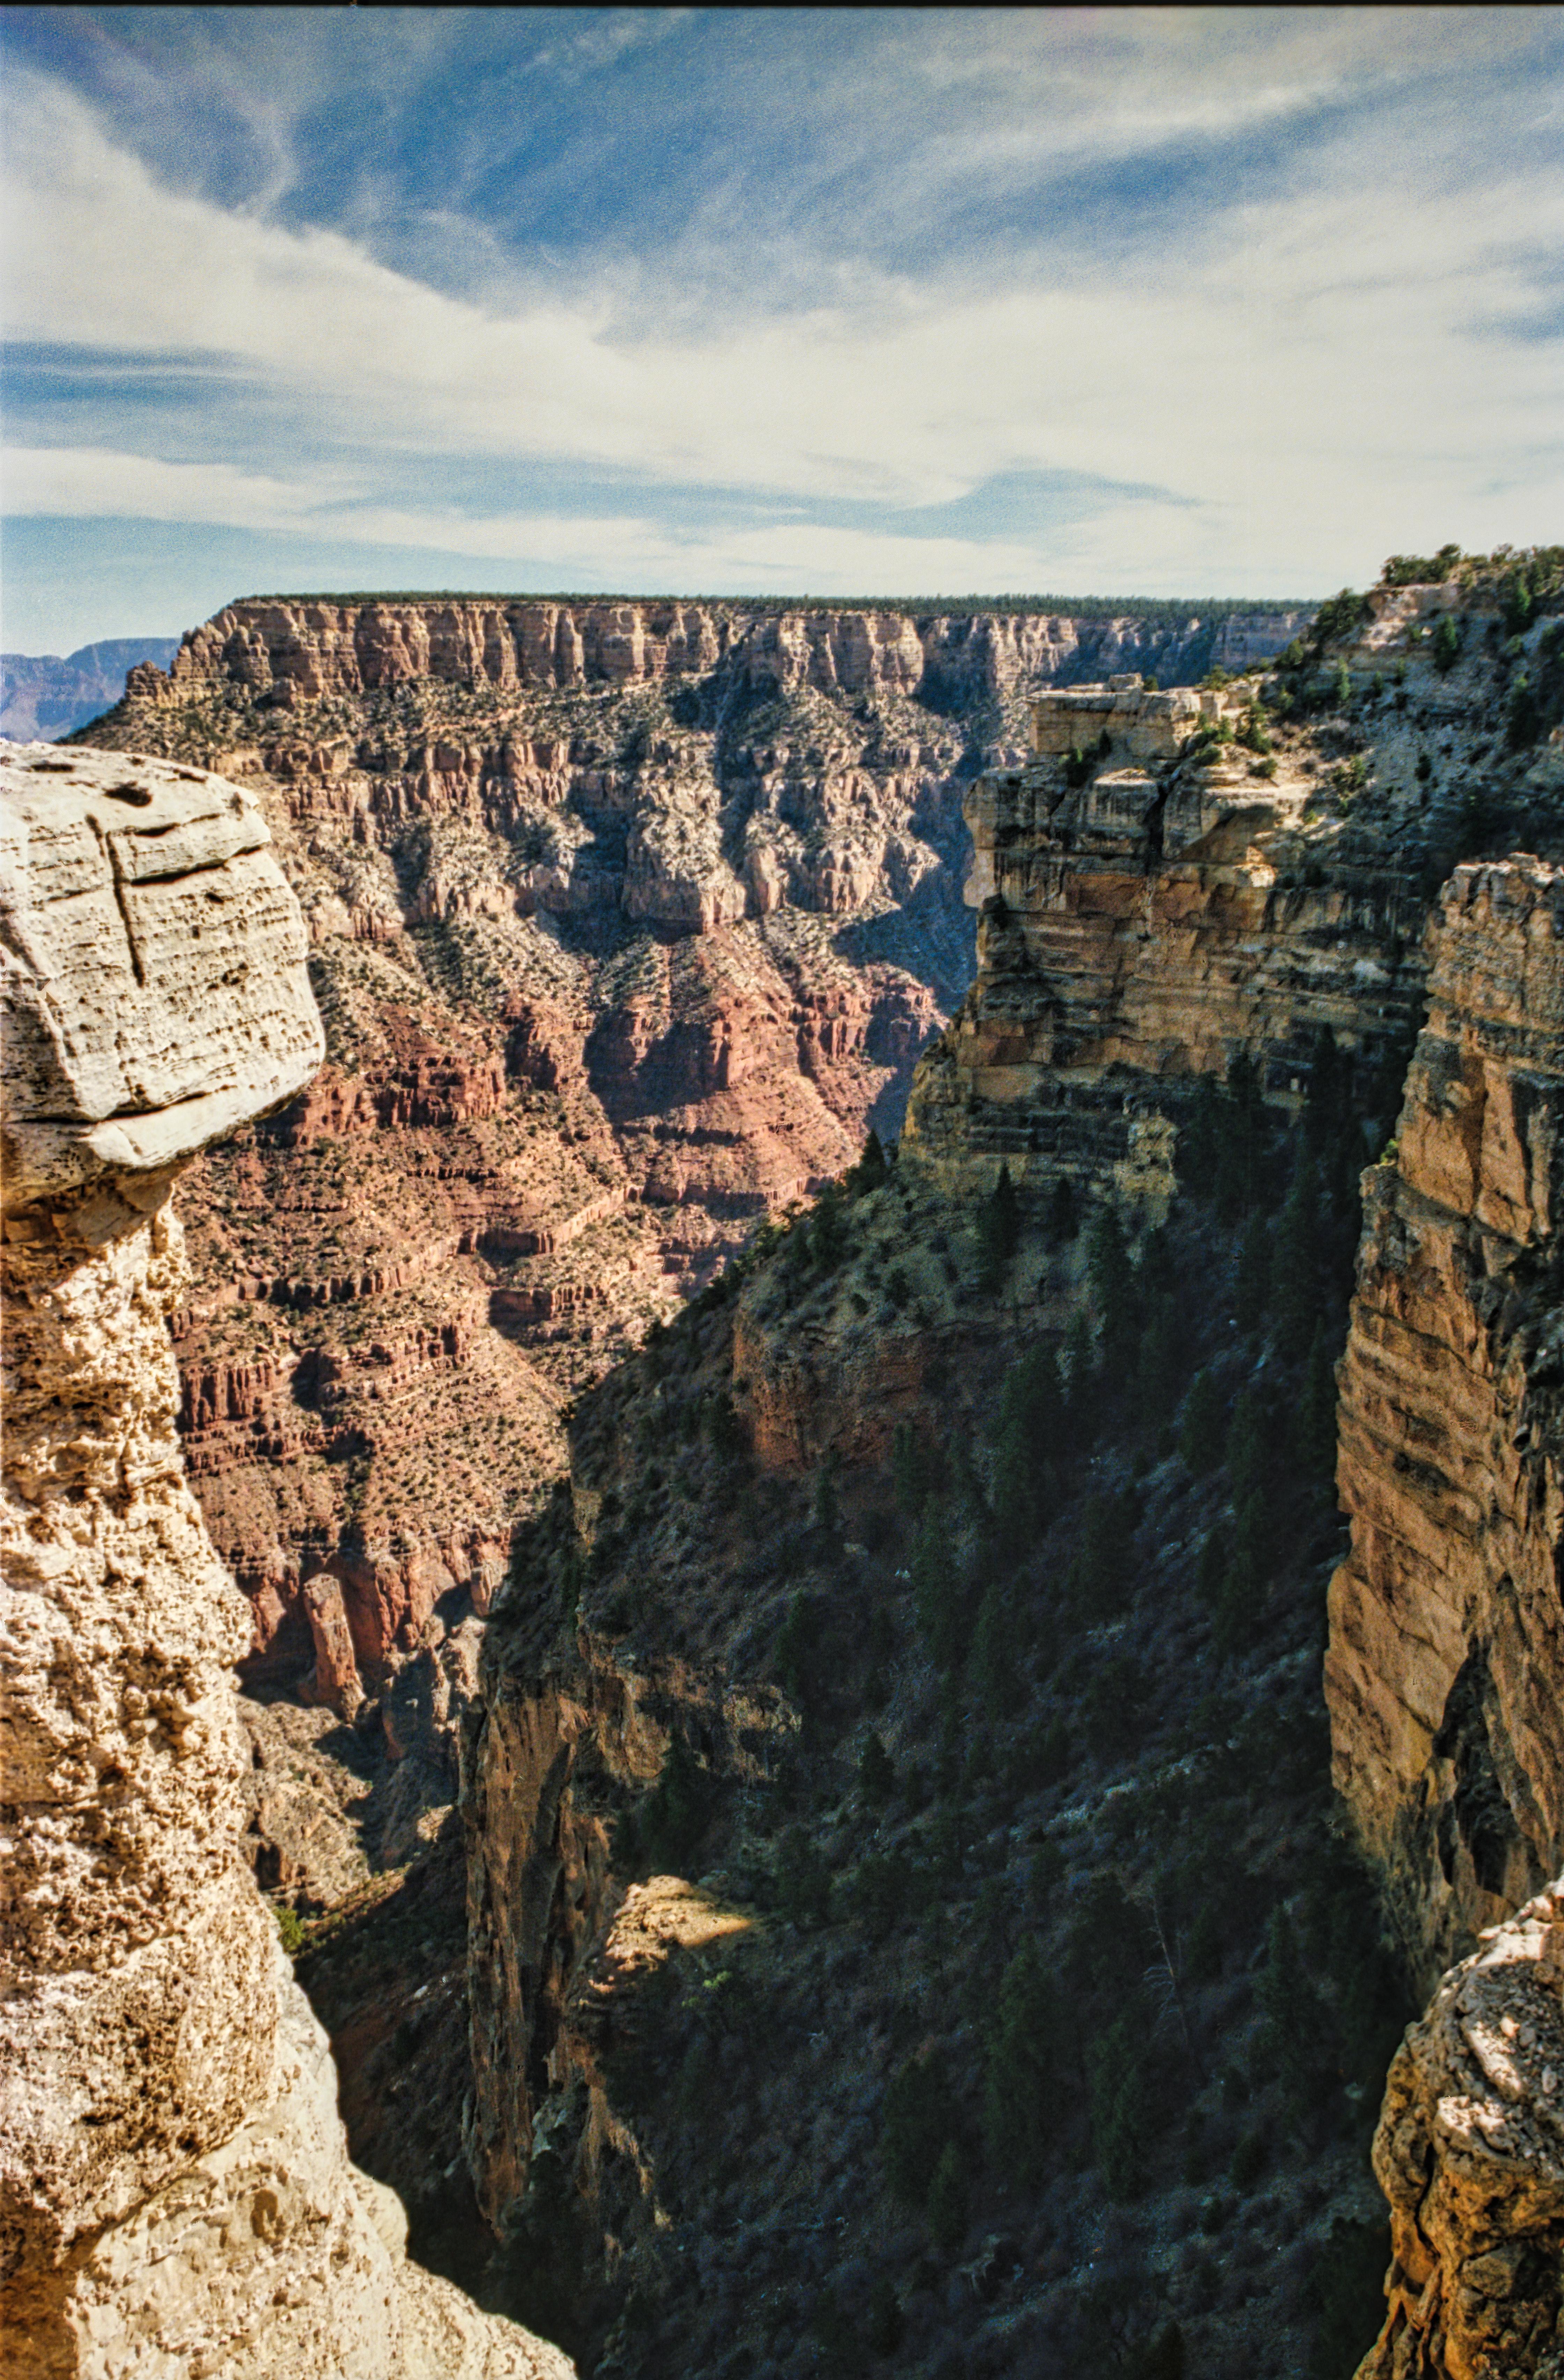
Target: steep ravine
(722,1658)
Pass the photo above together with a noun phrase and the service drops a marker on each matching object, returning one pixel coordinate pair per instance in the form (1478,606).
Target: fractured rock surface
(1446,1646)
(174,2190)
(1470,2152)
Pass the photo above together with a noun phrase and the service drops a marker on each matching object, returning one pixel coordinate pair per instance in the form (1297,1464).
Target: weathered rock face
(1156,899)
(174,2190)
(1470,2152)
(626,921)
(1447,1642)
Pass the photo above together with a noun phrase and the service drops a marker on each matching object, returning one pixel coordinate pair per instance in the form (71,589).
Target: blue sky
(871,301)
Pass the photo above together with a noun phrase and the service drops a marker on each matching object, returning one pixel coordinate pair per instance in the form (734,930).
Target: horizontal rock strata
(1154,902)
(1447,1650)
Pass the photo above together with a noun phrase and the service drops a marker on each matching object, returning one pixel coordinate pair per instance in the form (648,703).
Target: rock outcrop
(1445,1663)
(1157,898)
(174,2190)
(1470,2152)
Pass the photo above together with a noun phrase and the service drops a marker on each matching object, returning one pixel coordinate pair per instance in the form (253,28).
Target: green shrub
(908,1470)
(1446,646)
(290,1929)
(1419,569)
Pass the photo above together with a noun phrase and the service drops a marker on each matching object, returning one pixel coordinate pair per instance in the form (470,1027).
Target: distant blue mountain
(44,698)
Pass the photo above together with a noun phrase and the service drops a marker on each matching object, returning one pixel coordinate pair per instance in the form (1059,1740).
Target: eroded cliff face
(625,920)
(174,2188)
(1446,1639)
(1157,898)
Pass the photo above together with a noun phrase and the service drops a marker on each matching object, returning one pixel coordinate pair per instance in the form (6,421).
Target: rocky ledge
(176,2195)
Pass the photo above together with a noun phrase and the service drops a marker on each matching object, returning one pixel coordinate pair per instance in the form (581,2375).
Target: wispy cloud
(1270,292)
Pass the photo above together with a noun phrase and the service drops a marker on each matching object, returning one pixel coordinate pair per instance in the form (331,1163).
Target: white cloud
(1306,384)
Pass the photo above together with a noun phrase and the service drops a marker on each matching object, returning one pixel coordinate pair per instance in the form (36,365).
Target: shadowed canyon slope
(625,921)
(176,2194)
(1175,886)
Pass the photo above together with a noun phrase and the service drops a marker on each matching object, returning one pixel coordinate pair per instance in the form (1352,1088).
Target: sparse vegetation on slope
(1053,2039)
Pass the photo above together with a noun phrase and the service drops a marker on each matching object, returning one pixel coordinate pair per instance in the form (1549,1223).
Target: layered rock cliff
(174,2190)
(1447,1642)
(625,920)
(1158,897)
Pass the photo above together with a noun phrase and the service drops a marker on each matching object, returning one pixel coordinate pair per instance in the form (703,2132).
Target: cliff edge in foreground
(174,2190)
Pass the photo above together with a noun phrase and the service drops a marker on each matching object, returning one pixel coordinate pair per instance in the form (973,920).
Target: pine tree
(1314,1428)
(1020,2093)
(1079,1371)
(871,1169)
(1063,1214)
(1159,1365)
(1108,1270)
(994,1659)
(1119,2111)
(908,1470)
(827,1511)
(828,1236)
(1327,1102)
(876,1773)
(918,2121)
(1015,1495)
(998,1231)
(1294,1291)
(949,2202)
(939,1592)
(1246,1451)
(1253,1281)
(1201,1139)
(1102,1572)
(1201,1431)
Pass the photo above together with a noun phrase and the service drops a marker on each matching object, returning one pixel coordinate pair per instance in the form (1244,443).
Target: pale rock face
(1470,2152)
(174,2191)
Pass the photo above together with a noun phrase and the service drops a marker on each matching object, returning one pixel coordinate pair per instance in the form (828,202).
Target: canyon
(1176,888)
(908,1914)
(627,921)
